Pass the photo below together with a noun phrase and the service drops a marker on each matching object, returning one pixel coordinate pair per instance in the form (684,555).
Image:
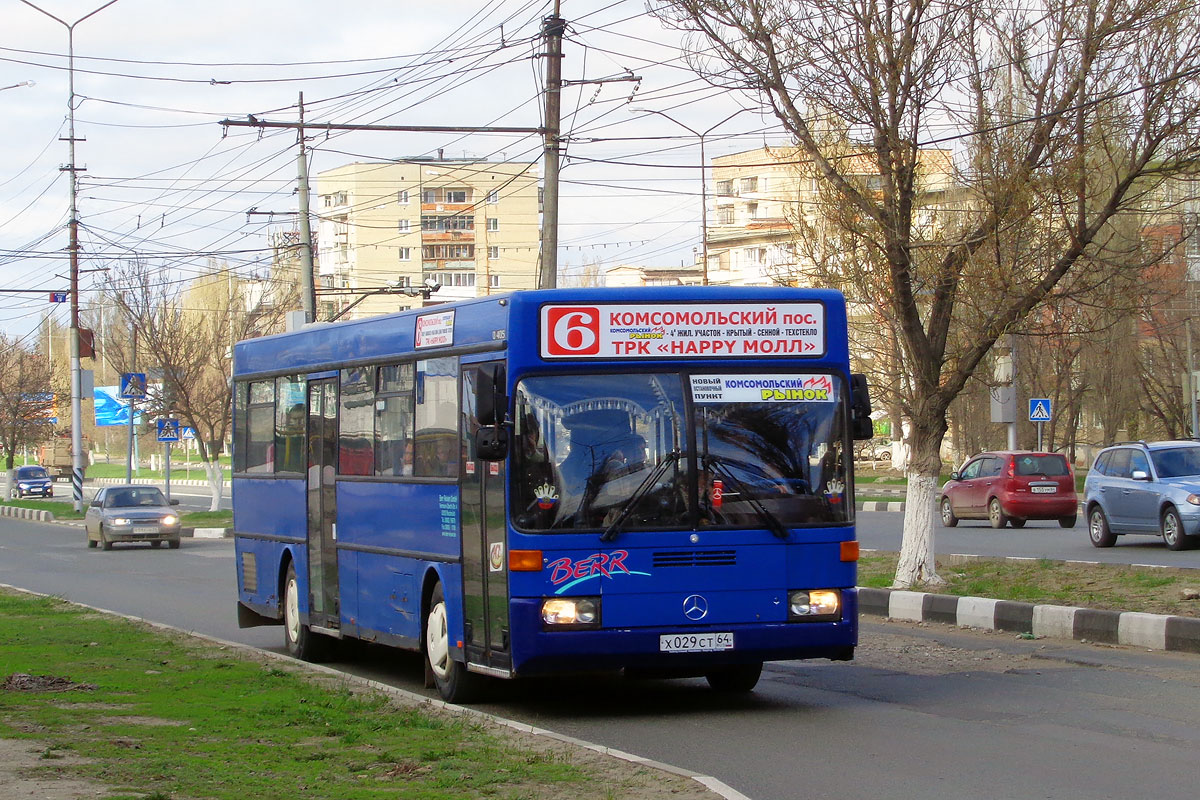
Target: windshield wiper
(649,481)
(771,522)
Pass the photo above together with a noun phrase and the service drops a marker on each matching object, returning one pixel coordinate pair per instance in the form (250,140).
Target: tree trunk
(216,479)
(916,565)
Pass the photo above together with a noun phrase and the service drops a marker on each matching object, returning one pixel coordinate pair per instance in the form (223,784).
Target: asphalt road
(924,711)
(883,530)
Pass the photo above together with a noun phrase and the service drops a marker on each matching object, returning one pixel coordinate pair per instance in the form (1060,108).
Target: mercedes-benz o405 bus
(655,480)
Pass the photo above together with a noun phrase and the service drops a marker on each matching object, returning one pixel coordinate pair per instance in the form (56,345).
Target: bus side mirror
(491,401)
(491,443)
(861,426)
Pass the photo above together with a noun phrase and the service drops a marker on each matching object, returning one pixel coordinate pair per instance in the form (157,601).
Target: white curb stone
(906,605)
(1142,630)
(1057,622)
(976,612)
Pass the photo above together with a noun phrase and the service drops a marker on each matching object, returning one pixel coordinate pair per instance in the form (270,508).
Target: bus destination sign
(737,330)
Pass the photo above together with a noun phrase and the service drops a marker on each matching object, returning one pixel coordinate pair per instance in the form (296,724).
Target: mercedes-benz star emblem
(695,607)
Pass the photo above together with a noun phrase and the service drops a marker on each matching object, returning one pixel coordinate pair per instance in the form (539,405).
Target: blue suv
(1146,488)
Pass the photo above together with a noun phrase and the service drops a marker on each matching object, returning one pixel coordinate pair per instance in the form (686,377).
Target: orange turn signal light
(850,551)
(524,560)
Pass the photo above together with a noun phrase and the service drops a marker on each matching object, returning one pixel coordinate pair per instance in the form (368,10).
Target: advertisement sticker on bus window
(762,389)
(683,331)
(435,330)
(495,556)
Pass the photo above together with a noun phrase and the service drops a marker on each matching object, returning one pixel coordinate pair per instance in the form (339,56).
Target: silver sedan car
(131,513)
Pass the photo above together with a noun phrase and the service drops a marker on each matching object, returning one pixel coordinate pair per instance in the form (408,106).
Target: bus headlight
(571,612)
(814,604)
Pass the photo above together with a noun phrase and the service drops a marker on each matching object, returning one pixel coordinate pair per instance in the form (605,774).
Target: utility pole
(553,28)
(132,435)
(73,247)
(1012,426)
(703,180)
(1189,381)
(307,290)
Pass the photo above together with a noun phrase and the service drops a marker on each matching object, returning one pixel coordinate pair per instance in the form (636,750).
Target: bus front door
(323,611)
(485,556)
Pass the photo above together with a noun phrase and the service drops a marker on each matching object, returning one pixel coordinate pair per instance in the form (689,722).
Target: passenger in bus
(535,457)
(446,461)
(406,459)
(291,459)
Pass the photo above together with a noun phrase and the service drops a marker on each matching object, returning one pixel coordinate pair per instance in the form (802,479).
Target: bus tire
(737,679)
(454,683)
(301,642)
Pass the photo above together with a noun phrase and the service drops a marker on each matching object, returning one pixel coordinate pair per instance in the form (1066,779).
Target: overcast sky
(164,184)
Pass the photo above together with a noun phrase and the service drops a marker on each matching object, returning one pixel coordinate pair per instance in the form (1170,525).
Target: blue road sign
(133,385)
(1039,409)
(59,297)
(168,430)
(187,432)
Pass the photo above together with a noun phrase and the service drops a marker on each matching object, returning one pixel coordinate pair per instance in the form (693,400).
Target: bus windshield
(653,451)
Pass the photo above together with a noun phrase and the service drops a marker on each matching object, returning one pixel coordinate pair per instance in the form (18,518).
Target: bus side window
(260,428)
(289,424)
(356,420)
(436,418)
(394,421)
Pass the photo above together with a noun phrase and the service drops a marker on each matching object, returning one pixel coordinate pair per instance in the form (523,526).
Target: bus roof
(484,324)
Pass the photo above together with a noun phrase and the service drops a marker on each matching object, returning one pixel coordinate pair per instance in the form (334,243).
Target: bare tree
(26,398)
(1063,115)
(187,332)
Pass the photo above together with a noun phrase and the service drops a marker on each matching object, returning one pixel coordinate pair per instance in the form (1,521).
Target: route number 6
(573,331)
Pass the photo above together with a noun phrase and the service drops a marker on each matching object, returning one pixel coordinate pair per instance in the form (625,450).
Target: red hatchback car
(1011,486)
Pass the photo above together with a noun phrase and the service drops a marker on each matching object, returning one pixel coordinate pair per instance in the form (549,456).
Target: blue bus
(569,480)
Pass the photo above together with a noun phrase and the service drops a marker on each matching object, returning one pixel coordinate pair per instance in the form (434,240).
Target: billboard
(111,408)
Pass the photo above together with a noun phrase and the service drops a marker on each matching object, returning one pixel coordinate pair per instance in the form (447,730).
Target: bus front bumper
(537,651)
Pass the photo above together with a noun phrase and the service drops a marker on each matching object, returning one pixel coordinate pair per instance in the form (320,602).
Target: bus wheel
(301,642)
(454,683)
(735,679)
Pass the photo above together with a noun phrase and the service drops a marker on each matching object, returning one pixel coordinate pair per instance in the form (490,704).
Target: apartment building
(629,275)
(761,197)
(470,225)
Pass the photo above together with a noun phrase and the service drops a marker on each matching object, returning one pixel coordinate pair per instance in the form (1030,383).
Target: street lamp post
(73,226)
(703,180)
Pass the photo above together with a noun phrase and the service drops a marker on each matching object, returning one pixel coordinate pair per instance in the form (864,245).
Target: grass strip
(1106,586)
(171,717)
(179,471)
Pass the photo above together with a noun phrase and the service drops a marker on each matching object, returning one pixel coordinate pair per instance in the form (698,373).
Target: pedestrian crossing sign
(1039,409)
(168,430)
